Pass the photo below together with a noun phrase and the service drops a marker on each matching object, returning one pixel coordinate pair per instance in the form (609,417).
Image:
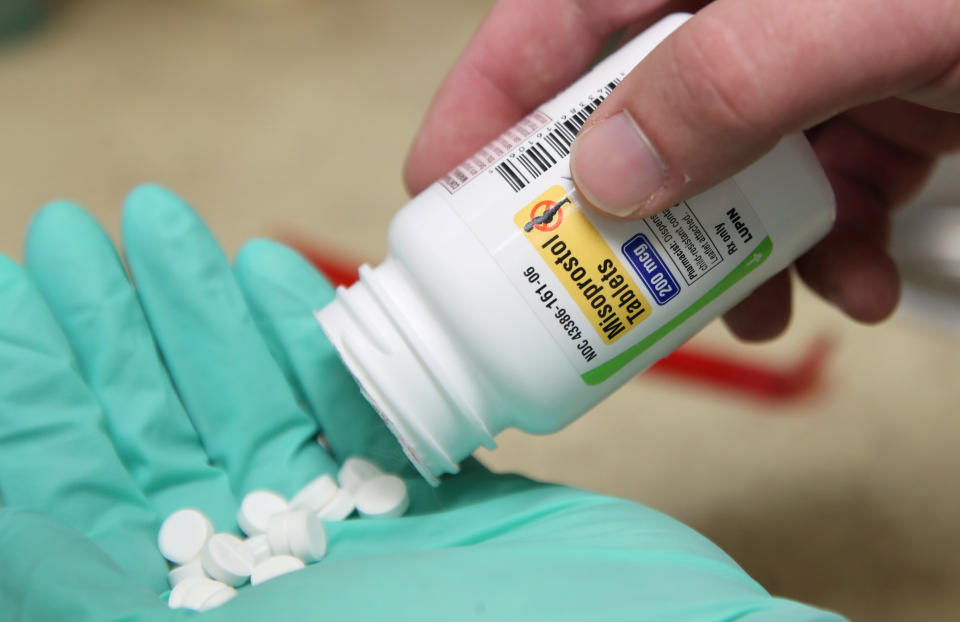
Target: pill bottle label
(605,289)
(585,266)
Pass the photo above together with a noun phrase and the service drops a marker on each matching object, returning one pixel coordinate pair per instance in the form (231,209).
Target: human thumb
(735,78)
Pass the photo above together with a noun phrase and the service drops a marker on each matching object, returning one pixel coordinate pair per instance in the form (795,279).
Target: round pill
(316,495)
(277,534)
(181,573)
(306,536)
(227,559)
(384,496)
(199,594)
(191,593)
(274,567)
(175,600)
(256,509)
(259,547)
(216,599)
(183,535)
(340,507)
(355,471)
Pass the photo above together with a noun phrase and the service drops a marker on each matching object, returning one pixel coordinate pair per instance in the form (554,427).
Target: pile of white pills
(282,535)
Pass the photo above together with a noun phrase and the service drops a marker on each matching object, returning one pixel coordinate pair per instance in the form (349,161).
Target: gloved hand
(118,407)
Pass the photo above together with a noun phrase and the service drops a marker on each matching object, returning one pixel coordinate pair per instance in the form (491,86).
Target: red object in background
(710,368)
(758,380)
(338,269)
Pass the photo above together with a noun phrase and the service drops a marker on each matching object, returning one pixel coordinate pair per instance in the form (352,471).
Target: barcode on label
(504,144)
(526,164)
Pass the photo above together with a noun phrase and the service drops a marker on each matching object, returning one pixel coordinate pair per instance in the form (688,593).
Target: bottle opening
(399,372)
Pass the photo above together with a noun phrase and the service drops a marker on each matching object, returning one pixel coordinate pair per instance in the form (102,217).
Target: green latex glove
(118,407)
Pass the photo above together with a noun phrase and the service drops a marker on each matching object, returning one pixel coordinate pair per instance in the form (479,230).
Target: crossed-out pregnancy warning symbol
(546,215)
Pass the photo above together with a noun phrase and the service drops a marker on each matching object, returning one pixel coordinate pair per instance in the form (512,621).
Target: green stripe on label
(603,372)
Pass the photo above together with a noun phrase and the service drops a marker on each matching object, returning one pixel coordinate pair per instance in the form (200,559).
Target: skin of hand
(875,85)
(121,405)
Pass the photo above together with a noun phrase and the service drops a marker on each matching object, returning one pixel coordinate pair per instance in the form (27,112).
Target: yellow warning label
(586,266)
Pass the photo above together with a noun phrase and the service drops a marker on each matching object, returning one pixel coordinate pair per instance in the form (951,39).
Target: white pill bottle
(503,302)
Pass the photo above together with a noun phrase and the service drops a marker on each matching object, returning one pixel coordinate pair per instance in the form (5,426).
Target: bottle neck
(389,340)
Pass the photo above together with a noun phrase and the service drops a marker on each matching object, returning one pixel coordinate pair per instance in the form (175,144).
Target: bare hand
(876,85)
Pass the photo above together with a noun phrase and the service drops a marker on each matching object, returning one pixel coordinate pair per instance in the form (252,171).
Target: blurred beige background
(295,116)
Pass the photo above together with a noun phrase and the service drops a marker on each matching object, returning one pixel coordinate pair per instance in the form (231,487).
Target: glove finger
(241,405)
(55,457)
(51,572)
(75,267)
(283,290)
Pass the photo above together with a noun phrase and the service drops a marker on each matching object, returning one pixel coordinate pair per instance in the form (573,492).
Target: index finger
(76,269)
(241,405)
(524,52)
